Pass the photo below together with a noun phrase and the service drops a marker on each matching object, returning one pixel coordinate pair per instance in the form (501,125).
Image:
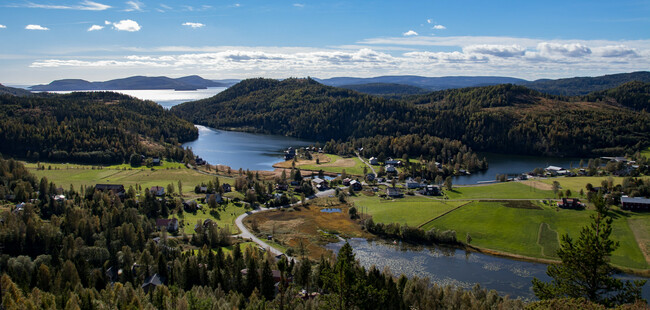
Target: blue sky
(43,40)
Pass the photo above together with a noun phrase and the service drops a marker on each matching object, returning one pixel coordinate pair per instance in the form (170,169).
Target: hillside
(192,82)
(502,118)
(634,95)
(585,85)
(430,83)
(389,90)
(97,128)
(13,91)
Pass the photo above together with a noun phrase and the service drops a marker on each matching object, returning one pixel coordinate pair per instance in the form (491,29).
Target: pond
(240,149)
(331,210)
(514,165)
(449,266)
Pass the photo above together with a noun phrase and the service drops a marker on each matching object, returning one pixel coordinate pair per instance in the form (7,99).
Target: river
(449,266)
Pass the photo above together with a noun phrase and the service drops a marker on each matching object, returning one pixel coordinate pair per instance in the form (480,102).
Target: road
(367,164)
(246,234)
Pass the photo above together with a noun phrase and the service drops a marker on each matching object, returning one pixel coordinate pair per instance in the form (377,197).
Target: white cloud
(439,27)
(567,50)
(236,5)
(496,50)
(126,25)
(36,27)
(193,25)
(84,6)
(107,23)
(134,5)
(429,21)
(3,26)
(615,51)
(410,33)
(95,28)
(299,5)
(196,9)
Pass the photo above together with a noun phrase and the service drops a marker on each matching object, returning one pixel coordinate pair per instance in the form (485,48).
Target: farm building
(635,203)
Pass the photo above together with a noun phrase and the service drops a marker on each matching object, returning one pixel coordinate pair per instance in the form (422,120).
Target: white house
(374,161)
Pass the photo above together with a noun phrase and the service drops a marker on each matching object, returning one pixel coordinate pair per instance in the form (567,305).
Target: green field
(65,175)
(223,218)
(575,184)
(646,152)
(513,230)
(337,164)
(409,210)
(508,190)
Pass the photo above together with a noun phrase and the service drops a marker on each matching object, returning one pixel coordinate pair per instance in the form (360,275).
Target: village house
(169,224)
(226,188)
(217,198)
(199,161)
(394,192)
(116,189)
(281,187)
(151,283)
(410,184)
(374,161)
(19,208)
(635,203)
(390,169)
(370,177)
(289,154)
(431,190)
(555,170)
(156,161)
(356,185)
(570,203)
(346,181)
(319,183)
(157,191)
(393,162)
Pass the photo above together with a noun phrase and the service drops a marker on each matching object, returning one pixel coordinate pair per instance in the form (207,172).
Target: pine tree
(585,271)
(267,287)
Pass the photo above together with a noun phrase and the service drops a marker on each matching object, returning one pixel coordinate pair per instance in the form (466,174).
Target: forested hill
(388,90)
(502,118)
(97,127)
(634,95)
(585,85)
(14,91)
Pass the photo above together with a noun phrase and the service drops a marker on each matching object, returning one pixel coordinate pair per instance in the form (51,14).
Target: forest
(91,128)
(503,118)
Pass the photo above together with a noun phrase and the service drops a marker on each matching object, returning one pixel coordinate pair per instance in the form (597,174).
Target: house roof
(626,199)
(152,280)
(157,188)
(392,191)
(318,180)
(554,168)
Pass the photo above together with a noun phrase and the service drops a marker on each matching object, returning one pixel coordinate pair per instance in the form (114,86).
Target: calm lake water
(514,165)
(166,97)
(242,150)
(448,266)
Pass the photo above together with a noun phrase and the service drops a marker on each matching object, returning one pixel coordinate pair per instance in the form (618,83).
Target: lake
(165,97)
(240,149)
(449,266)
(513,165)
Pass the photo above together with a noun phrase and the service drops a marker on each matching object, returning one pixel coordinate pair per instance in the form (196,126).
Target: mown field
(646,152)
(508,190)
(65,175)
(411,210)
(337,164)
(535,232)
(575,184)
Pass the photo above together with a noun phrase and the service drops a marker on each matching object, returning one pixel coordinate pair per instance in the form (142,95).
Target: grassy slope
(575,184)
(77,175)
(508,190)
(494,226)
(226,217)
(646,152)
(410,210)
(332,166)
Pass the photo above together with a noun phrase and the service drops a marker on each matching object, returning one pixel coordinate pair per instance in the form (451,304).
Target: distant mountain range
(390,85)
(13,91)
(192,82)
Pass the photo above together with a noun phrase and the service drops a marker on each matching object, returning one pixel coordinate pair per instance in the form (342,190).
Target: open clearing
(538,185)
(517,230)
(646,152)
(641,228)
(78,175)
(305,227)
(337,164)
(222,216)
(507,190)
(411,210)
(575,184)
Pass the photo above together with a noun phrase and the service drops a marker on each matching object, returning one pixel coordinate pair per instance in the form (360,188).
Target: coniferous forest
(502,118)
(91,128)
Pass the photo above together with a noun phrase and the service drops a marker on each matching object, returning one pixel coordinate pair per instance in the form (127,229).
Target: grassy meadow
(536,232)
(411,210)
(507,190)
(337,164)
(223,217)
(575,184)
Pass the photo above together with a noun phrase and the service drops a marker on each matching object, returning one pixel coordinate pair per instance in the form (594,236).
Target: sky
(96,40)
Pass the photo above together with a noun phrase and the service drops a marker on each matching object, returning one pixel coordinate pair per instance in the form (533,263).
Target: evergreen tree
(267,286)
(585,271)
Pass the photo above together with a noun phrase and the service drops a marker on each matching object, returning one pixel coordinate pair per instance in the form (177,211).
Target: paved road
(246,234)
